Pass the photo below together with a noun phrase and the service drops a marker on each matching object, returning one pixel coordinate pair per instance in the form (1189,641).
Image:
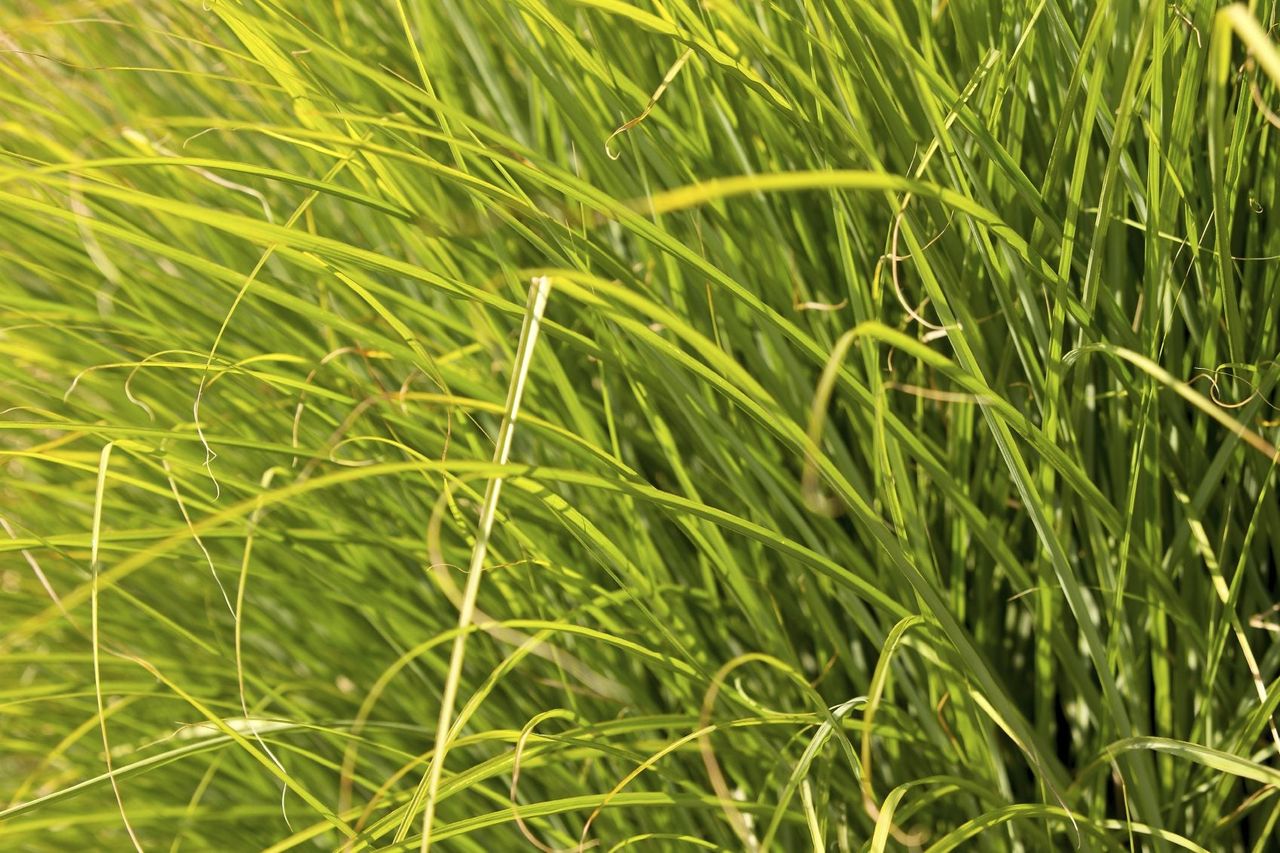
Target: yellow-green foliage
(736,424)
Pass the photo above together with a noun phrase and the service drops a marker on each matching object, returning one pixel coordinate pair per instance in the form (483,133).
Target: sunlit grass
(585,424)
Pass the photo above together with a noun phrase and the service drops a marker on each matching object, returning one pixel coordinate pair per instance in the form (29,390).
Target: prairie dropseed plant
(598,424)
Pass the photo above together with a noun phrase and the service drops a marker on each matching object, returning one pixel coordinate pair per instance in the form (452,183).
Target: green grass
(661,424)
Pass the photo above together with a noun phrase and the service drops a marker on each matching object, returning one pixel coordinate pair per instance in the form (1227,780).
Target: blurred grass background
(894,466)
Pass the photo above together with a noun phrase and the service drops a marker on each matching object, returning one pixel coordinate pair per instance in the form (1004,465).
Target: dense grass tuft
(500,424)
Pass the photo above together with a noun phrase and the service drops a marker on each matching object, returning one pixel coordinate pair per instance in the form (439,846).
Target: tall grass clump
(672,424)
